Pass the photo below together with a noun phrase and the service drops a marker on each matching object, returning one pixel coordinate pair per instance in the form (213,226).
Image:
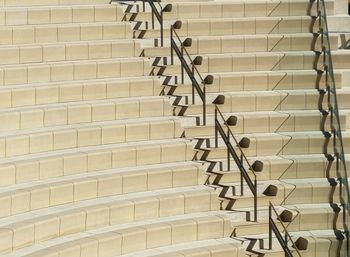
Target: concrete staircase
(101,154)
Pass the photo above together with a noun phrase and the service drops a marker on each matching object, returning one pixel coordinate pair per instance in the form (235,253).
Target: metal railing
(157,12)
(188,66)
(239,158)
(283,240)
(333,109)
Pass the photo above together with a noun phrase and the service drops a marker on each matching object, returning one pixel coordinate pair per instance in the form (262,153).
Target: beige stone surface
(93,162)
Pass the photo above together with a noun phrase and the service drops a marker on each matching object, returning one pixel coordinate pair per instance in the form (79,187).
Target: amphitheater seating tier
(102,153)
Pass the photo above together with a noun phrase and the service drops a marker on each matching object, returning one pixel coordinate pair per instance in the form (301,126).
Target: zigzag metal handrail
(159,15)
(274,228)
(338,145)
(252,183)
(190,69)
(155,13)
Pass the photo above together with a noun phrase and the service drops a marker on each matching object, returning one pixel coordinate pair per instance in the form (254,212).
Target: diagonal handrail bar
(237,143)
(185,52)
(338,144)
(239,160)
(190,69)
(274,228)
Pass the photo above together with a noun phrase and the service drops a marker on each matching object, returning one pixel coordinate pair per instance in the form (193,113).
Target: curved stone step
(19,74)
(79,90)
(227,9)
(67,189)
(30,34)
(52,115)
(33,167)
(69,51)
(227,82)
(275,167)
(61,14)
(283,143)
(21,3)
(72,219)
(203,45)
(268,122)
(257,101)
(90,134)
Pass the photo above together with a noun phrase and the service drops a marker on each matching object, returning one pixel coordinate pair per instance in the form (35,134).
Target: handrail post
(193,93)
(152,18)
(241,160)
(228,153)
(161,29)
(270,227)
(171,45)
(255,200)
(286,242)
(216,127)
(204,105)
(182,66)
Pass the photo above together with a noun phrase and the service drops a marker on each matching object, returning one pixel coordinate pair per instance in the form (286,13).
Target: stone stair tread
(60,24)
(109,172)
(138,224)
(93,124)
(91,148)
(118,100)
(174,249)
(92,41)
(96,202)
(133,58)
(33,7)
(74,82)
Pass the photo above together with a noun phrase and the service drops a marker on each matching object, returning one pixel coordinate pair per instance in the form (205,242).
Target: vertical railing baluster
(228,153)
(182,66)
(171,45)
(193,89)
(216,127)
(242,189)
(161,29)
(255,200)
(152,18)
(204,105)
(270,227)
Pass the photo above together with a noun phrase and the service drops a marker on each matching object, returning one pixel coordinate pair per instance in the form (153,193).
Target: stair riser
(262,82)
(61,15)
(92,188)
(69,52)
(89,136)
(22,3)
(262,124)
(243,27)
(252,44)
(298,145)
(69,33)
(258,62)
(78,92)
(51,116)
(86,220)
(26,74)
(96,159)
(261,102)
(229,10)
(274,169)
